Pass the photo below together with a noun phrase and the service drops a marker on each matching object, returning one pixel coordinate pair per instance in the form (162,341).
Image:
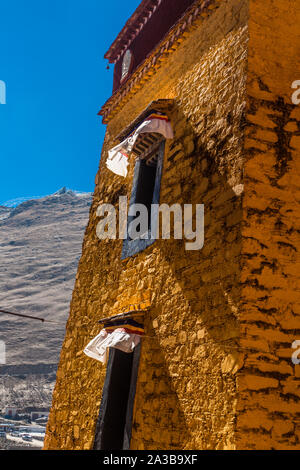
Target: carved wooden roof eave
(165,47)
(132,28)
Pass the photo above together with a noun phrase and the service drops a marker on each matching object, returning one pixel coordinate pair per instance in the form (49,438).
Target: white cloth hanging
(117,160)
(118,163)
(119,339)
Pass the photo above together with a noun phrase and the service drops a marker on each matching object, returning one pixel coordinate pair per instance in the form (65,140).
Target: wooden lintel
(119,316)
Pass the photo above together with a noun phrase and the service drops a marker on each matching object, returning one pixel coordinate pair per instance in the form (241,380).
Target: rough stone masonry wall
(269,384)
(186,391)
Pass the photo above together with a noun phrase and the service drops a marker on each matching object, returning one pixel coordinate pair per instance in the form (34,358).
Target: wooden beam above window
(162,106)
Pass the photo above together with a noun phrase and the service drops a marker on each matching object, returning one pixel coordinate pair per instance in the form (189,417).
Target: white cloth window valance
(119,339)
(119,332)
(117,160)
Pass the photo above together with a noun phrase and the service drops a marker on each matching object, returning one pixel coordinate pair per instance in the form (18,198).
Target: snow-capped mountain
(19,200)
(4,212)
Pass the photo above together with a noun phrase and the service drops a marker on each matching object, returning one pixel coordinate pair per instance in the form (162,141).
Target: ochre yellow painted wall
(206,339)
(269,387)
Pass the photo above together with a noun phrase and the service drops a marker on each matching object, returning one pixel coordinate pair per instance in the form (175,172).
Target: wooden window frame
(133,247)
(101,422)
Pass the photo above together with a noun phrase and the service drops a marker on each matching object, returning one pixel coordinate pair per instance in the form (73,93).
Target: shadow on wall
(186,390)
(159,421)
(186,386)
(199,295)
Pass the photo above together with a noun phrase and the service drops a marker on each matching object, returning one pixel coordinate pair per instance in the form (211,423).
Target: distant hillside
(40,245)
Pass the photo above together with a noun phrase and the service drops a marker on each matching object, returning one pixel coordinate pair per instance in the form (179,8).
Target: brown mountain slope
(40,245)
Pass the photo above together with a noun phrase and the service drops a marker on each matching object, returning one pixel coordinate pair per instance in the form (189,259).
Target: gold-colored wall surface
(215,369)
(269,387)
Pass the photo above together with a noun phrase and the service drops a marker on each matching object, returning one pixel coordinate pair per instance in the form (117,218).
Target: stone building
(214,369)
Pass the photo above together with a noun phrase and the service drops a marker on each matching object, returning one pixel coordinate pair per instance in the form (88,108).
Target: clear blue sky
(52,62)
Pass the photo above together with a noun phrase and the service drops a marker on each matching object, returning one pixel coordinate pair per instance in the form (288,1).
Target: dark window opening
(113,429)
(146,191)
(146,185)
